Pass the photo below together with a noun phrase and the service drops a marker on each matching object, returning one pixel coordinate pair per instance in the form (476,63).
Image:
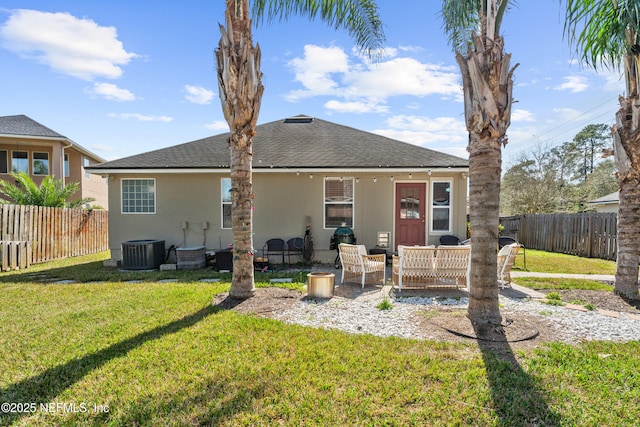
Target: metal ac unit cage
(142,254)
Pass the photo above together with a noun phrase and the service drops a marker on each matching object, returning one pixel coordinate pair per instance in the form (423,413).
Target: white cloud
(403,76)
(522,116)
(102,147)
(328,72)
(315,69)
(141,117)
(519,135)
(426,131)
(412,49)
(531,82)
(217,125)
(355,107)
(564,114)
(198,94)
(112,92)
(614,80)
(76,47)
(386,52)
(574,84)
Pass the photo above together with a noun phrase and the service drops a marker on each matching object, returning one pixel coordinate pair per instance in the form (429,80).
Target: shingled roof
(24,126)
(300,142)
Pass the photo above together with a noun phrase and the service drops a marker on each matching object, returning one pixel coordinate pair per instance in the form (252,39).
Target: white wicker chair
(506,259)
(356,263)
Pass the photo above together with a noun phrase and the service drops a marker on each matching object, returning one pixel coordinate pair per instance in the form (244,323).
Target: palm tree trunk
(488,85)
(484,218)
(628,240)
(242,283)
(626,149)
(239,81)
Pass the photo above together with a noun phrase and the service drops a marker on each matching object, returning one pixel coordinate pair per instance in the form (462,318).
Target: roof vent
(299,119)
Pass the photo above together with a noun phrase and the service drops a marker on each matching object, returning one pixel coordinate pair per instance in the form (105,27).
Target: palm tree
(473,27)
(51,192)
(606,33)
(240,85)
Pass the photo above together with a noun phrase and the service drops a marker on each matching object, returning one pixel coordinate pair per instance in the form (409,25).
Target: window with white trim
(338,202)
(441,206)
(139,195)
(66,164)
(40,163)
(86,162)
(225,202)
(20,161)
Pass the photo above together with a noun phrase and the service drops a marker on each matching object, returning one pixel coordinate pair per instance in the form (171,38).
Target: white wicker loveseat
(428,266)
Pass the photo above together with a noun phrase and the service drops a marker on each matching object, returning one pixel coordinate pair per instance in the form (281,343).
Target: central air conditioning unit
(142,254)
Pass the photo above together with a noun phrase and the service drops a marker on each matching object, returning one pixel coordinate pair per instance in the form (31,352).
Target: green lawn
(548,262)
(149,353)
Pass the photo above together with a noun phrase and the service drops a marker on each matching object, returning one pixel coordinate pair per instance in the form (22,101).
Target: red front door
(410,213)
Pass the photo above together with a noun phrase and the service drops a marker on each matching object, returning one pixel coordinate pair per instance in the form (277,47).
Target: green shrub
(554,298)
(385,304)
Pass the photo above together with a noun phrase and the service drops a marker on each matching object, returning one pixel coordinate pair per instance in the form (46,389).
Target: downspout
(64,178)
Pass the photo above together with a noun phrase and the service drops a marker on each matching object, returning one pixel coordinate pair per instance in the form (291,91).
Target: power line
(566,123)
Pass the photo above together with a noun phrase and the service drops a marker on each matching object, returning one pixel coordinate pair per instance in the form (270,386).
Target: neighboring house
(608,203)
(303,167)
(28,146)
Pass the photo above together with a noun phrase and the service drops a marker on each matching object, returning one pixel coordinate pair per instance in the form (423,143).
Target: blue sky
(125,77)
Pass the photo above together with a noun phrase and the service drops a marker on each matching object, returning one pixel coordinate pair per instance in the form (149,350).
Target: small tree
(52,192)
(560,179)
(590,142)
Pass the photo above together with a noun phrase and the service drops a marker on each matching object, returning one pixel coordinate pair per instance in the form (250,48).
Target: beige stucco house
(608,203)
(26,145)
(303,167)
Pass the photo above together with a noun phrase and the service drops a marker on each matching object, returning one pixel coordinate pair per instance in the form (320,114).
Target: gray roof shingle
(609,198)
(295,144)
(25,126)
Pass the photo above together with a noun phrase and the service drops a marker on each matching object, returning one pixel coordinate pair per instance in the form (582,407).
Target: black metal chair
(449,240)
(295,247)
(274,246)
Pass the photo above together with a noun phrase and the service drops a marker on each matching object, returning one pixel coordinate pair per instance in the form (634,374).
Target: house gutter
(48,138)
(84,151)
(132,171)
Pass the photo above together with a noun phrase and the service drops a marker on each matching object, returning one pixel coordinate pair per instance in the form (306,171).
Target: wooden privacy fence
(591,234)
(33,234)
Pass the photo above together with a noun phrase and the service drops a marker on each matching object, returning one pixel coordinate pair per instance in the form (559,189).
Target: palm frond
(461,19)
(51,192)
(603,32)
(360,18)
